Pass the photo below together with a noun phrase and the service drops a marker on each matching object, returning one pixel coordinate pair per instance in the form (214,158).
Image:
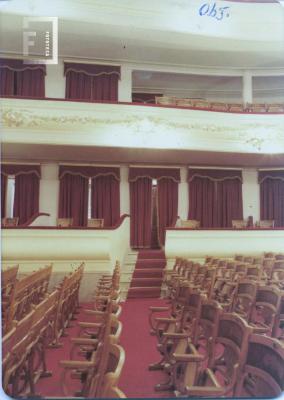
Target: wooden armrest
(94,312)
(161,319)
(205,391)
(76,364)
(176,335)
(84,341)
(101,297)
(189,357)
(157,309)
(90,324)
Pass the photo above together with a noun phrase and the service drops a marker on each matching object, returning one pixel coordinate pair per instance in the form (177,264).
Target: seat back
(190,223)
(8,222)
(64,222)
(263,372)
(95,223)
(244,298)
(239,223)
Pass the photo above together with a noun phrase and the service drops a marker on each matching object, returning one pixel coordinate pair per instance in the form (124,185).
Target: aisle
(140,348)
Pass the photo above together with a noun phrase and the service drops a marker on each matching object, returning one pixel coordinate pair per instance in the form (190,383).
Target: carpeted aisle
(140,348)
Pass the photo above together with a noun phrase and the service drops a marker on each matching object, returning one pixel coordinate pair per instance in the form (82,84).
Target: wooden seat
(226,351)
(262,374)
(219,106)
(236,107)
(275,107)
(64,222)
(244,298)
(266,223)
(166,100)
(95,223)
(257,107)
(239,223)
(190,223)
(8,222)
(8,281)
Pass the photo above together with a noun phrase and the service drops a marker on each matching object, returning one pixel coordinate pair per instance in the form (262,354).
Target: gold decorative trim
(214,179)
(81,71)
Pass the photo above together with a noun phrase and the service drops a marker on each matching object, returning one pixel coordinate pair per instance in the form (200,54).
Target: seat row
(96,358)
(38,328)
(220,336)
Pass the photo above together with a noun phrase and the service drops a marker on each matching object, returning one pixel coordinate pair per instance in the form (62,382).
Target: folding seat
(265,309)
(244,298)
(262,375)
(226,357)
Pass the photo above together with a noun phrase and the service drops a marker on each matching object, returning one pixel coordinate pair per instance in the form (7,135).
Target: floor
(140,348)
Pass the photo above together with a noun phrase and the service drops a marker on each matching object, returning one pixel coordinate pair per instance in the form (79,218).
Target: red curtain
(105,87)
(215,197)
(6,82)
(272,200)
(26,201)
(91,82)
(30,83)
(203,202)
(20,79)
(105,199)
(4,180)
(78,86)
(229,202)
(73,199)
(140,211)
(167,206)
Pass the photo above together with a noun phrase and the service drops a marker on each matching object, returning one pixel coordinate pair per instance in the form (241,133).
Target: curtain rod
(210,167)
(89,165)
(152,166)
(94,62)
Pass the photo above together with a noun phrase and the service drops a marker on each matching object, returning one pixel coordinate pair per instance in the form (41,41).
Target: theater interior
(142,198)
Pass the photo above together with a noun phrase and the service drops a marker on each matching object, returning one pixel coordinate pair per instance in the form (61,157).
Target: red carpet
(140,348)
(148,274)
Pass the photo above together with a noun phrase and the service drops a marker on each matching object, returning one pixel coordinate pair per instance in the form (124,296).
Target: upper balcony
(65,130)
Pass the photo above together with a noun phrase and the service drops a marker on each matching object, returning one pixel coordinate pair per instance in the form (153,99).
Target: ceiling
(168,32)
(90,154)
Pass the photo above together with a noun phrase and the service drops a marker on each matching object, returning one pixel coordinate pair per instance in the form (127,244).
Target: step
(151,263)
(148,273)
(146,282)
(150,254)
(137,292)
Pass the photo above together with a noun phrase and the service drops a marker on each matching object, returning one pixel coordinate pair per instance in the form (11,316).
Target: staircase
(148,274)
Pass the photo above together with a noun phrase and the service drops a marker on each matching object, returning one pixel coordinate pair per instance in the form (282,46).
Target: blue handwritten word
(211,10)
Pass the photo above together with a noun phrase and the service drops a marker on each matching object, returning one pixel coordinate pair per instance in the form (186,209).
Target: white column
(124,191)
(49,191)
(55,80)
(183,194)
(251,200)
(125,84)
(247,87)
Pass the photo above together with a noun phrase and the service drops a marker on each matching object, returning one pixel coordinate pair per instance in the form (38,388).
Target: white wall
(183,194)
(124,191)
(55,80)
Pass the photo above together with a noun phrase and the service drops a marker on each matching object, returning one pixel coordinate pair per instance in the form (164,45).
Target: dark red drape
(105,87)
(78,86)
(215,197)
(203,202)
(26,200)
(105,199)
(20,79)
(7,81)
(229,202)
(140,211)
(4,180)
(272,200)
(167,206)
(30,83)
(73,199)
(91,82)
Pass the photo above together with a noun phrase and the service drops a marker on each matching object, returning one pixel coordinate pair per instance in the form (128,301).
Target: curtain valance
(91,69)
(263,175)
(89,171)
(19,65)
(217,175)
(154,173)
(14,169)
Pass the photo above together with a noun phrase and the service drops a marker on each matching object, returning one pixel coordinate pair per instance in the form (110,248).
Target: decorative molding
(179,128)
